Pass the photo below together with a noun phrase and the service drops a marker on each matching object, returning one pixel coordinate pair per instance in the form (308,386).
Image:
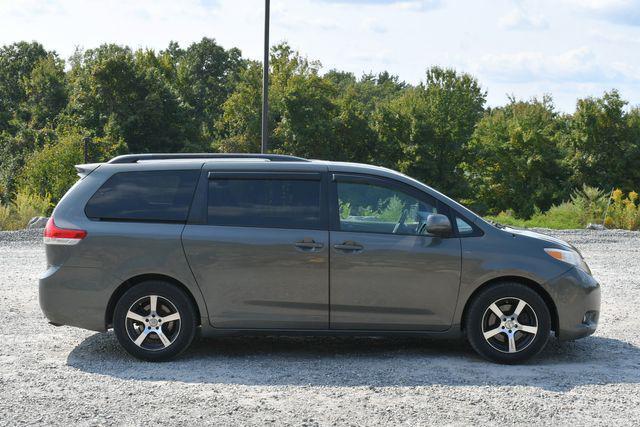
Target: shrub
(507,218)
(50,170)
(586,206)
(590,204)
(26,206)
(5,217)
(563,216)
(624,212)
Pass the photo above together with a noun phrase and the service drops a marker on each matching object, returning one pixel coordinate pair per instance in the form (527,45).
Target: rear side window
(265,203)
(152,196)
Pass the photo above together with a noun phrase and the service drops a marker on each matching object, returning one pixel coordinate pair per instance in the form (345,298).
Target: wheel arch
(533,285)
(133,281)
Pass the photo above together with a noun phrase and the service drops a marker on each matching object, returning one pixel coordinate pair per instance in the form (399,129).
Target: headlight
(570,257)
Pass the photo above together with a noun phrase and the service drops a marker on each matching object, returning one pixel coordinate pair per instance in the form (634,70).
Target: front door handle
(309,245)
(349,247)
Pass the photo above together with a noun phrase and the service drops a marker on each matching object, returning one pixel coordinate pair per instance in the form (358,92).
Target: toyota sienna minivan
(161,247)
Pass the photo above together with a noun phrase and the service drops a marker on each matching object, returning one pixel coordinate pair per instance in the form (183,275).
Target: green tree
(49,171)
(360,125)
(301,108)
(240,125)
(13,151)
(515,161)
(603,144)
(112,86)
(17,62)
(436,120)
(206,74)
(46,91)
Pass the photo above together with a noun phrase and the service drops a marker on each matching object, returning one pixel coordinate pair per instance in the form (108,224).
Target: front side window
(152,196)
(265,203)
(379,209)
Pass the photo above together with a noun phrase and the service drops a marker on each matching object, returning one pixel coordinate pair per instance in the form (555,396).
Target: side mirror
(439,225)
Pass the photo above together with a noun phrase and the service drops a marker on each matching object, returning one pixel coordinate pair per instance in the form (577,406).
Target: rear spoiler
(86,169)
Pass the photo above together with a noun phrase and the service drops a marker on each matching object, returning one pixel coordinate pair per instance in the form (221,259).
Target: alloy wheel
(153,323)
(509,325)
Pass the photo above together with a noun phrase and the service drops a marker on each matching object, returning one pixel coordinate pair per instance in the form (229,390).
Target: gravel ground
(64,375)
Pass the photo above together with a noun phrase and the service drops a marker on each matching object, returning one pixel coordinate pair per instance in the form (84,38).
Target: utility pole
(265,80)
(85,144)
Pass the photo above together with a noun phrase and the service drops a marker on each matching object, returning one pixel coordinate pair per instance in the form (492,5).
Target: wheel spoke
(171,318)
(512,343)
(141,338)
(153,303)
(493,307)
(162,337)
(528,329)
(519,308)
(135,316)
(493,332)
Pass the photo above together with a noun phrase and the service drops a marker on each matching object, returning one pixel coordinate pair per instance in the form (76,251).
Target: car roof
(231,160)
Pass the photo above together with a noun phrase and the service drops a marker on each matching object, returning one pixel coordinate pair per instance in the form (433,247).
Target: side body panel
(258,278)
(500,254)
(113,252)
(396,282)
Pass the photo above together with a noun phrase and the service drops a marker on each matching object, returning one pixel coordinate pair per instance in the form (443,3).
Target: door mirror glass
(438,224)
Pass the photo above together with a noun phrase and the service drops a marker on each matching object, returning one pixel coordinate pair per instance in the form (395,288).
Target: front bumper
(76,296)
(577,298)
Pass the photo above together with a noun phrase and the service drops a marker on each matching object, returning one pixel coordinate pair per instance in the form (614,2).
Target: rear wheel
(508,323)
(154,321)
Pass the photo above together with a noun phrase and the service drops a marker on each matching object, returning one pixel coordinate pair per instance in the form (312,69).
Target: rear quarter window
(151,196)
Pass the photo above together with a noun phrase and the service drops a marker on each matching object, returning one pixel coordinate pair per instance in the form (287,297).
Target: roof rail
(134,158)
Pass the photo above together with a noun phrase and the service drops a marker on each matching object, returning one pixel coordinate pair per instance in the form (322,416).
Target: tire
(510,338)
(154,335)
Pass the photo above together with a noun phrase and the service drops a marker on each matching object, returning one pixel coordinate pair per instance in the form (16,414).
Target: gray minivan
(160,247)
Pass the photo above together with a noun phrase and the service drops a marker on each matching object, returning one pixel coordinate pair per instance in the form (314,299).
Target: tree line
(524,156)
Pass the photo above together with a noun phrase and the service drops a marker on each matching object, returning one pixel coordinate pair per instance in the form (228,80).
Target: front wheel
(508,323)
(154,321)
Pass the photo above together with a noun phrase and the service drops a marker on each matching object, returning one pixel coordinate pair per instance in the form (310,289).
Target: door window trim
(267,176)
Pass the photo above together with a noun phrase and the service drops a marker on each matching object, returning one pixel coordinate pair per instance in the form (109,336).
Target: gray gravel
(65,375)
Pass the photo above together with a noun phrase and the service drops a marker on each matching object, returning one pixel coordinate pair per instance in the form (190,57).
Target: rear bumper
(76,296)
(577,298)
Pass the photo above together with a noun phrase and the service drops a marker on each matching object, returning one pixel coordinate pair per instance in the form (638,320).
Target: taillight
(54,235)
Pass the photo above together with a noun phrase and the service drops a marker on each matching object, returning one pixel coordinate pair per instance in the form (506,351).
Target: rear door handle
(349,247)
(309,245)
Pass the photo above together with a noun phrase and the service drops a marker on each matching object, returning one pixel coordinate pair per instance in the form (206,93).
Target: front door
(386,271)
(262,257)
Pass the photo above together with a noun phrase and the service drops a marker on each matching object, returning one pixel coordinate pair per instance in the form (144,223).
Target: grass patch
(562,217)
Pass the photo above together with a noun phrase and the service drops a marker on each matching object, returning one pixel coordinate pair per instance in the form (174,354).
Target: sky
(523,48)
